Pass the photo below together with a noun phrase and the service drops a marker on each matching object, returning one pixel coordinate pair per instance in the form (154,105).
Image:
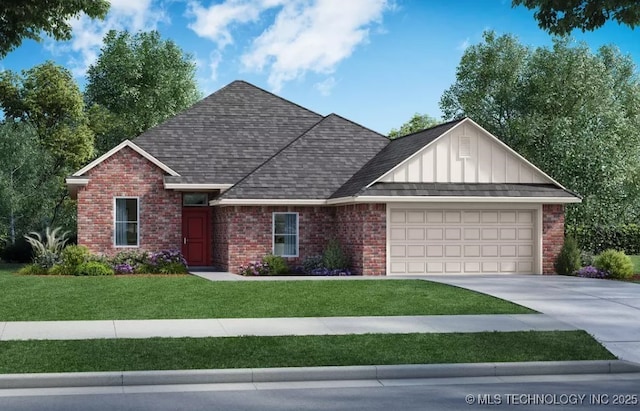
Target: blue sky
(376,62)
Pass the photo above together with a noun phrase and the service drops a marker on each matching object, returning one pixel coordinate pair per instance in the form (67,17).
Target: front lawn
(262,352)
(39,298)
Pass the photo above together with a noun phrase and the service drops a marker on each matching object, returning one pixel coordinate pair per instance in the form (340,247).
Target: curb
(297,374)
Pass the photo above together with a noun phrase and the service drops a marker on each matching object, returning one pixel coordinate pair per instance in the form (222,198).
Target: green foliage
(562,17)
(277,264)
(137,82)
(617,263)
(597,238)
(71,258)
(333,257)
(29,19)
(568,261)
(47,250)
(417,123)
(94,268)
(32,269)
(311,263)
(572,112)
(172,268)
(20,252)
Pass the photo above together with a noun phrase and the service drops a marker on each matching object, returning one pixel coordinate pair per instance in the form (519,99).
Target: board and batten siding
(480,159)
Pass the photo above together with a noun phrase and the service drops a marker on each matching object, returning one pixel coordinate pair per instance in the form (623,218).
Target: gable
(466,154)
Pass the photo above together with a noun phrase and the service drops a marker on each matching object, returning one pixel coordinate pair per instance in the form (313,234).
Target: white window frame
(273,233)
(115,221)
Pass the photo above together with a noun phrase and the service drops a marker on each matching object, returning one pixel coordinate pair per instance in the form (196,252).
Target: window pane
(285,234)
(195,199)
(126,222)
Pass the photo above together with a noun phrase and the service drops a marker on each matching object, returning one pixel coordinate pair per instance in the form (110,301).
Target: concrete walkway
(227,327)
(608,310)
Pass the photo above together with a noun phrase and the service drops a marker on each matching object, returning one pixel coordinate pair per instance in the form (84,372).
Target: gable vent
(464,147)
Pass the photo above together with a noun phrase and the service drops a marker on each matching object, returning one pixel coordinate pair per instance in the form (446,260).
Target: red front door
(195,235)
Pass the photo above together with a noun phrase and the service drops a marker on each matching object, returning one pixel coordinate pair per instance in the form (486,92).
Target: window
(195,199)
(285,234)
(127,222)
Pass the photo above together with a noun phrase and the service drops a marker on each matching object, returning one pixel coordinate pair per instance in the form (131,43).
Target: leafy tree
(27,19)
(22,162)
(573,113)
(561,17)
(417,123)
(47,99)
(139,81)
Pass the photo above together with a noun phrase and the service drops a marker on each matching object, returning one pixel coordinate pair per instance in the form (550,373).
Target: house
(244,173)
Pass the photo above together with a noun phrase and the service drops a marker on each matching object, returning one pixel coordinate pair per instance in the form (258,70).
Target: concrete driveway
(608,310)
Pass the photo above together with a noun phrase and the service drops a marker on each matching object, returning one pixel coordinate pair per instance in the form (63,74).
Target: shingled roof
(225,136)
(314,165)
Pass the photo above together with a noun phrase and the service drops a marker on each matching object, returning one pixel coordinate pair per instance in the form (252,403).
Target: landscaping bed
(303,351)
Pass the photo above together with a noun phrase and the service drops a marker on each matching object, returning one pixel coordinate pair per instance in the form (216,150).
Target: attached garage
(469,240)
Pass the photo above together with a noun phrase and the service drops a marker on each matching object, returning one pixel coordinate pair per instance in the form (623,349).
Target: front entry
(196,235)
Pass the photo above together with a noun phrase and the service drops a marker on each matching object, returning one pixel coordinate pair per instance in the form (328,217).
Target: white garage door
(441,241)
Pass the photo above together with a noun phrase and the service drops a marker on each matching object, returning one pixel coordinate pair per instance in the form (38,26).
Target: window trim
(115,221)
(273,232)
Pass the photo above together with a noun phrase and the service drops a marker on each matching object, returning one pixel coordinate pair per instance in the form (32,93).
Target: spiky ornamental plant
(46,251)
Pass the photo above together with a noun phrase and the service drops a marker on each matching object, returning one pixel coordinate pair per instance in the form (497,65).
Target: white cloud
(325,87)
(305,35)
(132,15)
(215,58)
(463,45)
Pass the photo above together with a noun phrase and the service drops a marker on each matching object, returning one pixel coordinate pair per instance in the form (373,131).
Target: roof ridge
(274,95)
(431,128)
(258,167)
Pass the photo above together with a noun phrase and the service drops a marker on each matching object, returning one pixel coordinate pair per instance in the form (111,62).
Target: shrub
(591,272)
(326,271)
(123,268)
(94,268)
(20,252)
(257,268)
(617,263)
(32,269)
(568,261)
(70,258)
(168,262)
(46,251)
(131,261)
(311,263)
(276,264)
(597,238)
(333,256)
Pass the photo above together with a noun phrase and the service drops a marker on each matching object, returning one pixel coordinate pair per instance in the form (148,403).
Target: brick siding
(552,235)
(128,174)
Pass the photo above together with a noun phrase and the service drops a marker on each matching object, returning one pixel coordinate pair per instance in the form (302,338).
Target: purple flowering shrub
(255,269)
(592,272)
(142,262)
(326,271)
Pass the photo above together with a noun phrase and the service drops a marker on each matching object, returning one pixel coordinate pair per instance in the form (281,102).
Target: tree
(573,113)
(48,101)
(140,80)
(562,17)
(22,162)
(27,19)
(417,123)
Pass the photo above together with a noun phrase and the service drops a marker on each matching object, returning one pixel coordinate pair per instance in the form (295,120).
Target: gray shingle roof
(392,155)
(313,166)
(466,189)
(225,136)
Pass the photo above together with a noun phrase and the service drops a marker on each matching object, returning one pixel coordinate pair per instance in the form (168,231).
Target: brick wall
(552,235)
(361,229)
(242,234)
(127,174)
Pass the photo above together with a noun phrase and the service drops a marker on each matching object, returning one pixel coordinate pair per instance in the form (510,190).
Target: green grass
(260,352)
(39,298)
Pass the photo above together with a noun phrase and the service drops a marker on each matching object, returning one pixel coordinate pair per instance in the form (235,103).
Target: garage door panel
(398,234)
(461,241)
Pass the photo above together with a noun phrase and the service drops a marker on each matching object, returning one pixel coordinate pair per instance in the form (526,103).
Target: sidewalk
(228,327)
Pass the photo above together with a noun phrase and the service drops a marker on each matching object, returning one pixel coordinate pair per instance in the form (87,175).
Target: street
(611,392)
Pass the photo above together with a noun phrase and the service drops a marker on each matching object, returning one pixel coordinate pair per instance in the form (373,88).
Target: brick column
(552,235)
